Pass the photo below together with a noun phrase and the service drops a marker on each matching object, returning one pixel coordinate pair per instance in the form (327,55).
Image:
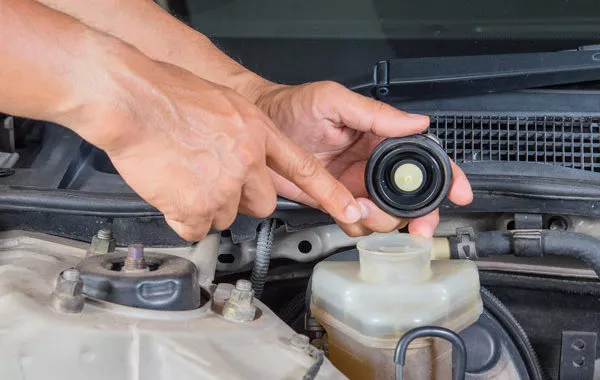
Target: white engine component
(108,341)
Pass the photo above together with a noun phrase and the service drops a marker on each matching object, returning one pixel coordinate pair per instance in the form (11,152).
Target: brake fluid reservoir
(366,306)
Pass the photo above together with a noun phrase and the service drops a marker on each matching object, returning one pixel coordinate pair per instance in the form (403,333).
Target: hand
(195,150)
(341,128)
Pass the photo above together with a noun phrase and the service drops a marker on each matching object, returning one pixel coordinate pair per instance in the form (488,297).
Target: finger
(425,225)
(226,214)
(376,219)
(460,192)
(187,232)
(290,191)
(354,179)
(259,197)
(307,172)
(368,115)
(354,229)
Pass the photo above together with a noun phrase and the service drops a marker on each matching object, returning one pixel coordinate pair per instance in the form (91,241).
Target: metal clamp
(527,243)
(466,248)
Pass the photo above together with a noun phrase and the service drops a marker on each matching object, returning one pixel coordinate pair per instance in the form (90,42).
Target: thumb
(358,112)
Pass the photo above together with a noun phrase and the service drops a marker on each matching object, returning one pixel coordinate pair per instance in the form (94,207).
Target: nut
(239,307)
(68,294)
(102,243)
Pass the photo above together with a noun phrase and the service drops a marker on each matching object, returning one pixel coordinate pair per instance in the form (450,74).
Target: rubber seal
(421,151)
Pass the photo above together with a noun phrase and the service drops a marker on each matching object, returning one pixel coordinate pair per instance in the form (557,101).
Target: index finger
(306,171)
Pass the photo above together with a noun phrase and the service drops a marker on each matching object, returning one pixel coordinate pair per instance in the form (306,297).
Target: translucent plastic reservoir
(367,306)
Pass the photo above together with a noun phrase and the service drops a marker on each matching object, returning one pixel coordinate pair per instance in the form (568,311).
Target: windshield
(332,39)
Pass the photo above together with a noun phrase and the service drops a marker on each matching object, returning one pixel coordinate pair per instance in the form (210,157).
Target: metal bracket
(578,355)
(528,221)
(466,243)
(527,243)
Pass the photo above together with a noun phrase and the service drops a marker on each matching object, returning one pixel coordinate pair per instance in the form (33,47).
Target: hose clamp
(466,248)
(527,243)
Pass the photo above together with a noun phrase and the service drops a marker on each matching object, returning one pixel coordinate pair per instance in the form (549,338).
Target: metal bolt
(104,234)
(102,243)
(243,285)
(68,294)
(239,307)
(135,261)
(71,274)
(300,341)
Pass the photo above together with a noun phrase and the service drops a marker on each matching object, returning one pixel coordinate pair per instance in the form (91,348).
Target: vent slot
(572,142)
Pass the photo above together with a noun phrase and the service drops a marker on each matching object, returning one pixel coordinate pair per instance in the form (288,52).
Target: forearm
(43,61)
(159,35)
(60,70)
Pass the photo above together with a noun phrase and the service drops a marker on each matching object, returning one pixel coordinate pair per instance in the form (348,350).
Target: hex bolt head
(102,243)
(68,294)
(239,306)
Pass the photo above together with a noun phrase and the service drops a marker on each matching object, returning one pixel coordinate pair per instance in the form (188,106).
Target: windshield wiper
(443,77)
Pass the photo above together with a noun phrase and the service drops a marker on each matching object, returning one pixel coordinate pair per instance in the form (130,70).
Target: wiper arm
(443,77)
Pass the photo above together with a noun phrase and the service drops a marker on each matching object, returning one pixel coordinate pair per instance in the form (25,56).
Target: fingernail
(352,213)
(417,116)
(364,210)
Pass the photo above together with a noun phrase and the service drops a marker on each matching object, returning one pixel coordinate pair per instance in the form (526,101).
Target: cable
(264,243)
(458,345)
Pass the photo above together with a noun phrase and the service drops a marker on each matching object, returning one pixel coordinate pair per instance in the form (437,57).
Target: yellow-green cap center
(408,177)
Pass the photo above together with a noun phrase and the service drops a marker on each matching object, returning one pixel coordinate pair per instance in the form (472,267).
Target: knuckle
(324,90)
(224,221)
(337,191)
(330,86)
(307,167)
(264,208)
(248,157)
(378,108)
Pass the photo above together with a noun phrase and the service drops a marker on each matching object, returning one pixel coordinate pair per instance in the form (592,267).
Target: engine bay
(531,236)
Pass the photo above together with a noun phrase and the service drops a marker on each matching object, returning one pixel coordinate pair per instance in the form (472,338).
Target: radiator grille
(567,141)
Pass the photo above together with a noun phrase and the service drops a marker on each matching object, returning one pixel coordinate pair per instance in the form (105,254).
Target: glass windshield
(351,19)
(298,40)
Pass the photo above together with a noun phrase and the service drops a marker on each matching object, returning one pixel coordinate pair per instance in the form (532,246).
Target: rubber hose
(579,246)
(518,335)
(556,243)
(264,243)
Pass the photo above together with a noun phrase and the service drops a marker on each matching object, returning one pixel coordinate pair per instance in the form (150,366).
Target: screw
(243,285)
(104,234)
(135,261)
(68,294)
